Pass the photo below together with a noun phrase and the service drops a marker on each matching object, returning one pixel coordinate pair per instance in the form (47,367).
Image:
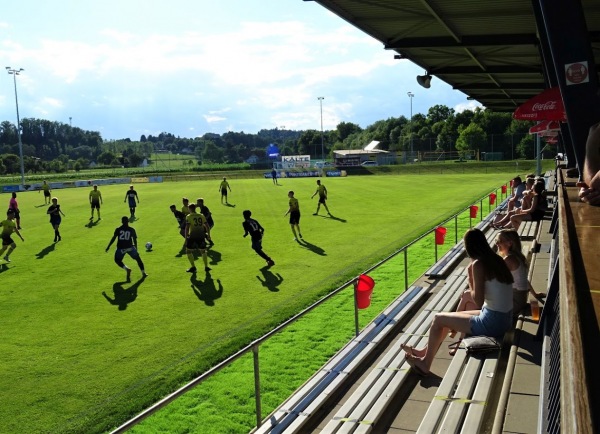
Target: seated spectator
(517,193)
(490,283)
(502,221)
(590,187)
(509,247)
(536,211)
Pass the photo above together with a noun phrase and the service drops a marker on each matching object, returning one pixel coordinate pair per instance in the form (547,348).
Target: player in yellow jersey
(196,230)
(46,189)
(322,192)
(95,201)
(8,227)
(294,212)
(186,205)
(223,189)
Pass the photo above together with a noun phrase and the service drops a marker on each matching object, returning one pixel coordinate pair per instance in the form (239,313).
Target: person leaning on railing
(590,187)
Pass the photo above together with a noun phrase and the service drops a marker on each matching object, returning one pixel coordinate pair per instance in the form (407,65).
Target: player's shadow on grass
(230,205)
(123,296)
(313,248)
(269,280)
(206,291)
(41,206)
(213,256)
(3,268)
(92,223)
(45,251)
(332,217)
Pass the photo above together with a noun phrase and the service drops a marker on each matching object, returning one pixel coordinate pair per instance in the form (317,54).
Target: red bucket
(440,235)
(504,189)
(364,289)
(492,198)
(473,210)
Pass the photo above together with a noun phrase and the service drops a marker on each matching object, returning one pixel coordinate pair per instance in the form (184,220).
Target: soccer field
(73,361)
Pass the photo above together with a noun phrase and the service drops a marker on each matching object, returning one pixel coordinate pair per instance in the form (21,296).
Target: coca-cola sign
(547,105)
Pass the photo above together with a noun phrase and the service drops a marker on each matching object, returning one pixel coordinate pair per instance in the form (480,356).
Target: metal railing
(254,346)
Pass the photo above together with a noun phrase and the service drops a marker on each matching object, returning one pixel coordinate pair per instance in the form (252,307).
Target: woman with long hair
(490,283)
(509,247)
(536,211)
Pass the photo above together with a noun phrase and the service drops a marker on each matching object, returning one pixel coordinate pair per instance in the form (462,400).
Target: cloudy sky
(188,67)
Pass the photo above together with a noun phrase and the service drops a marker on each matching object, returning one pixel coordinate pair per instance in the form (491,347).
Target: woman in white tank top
(490,283)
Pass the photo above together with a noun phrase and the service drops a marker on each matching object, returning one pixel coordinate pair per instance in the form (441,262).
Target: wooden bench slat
(475,412)
(458,407)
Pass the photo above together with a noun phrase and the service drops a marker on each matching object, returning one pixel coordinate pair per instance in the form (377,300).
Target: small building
(356,157)
(252,159)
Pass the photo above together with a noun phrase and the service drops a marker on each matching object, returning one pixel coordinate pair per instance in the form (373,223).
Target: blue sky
(188,67)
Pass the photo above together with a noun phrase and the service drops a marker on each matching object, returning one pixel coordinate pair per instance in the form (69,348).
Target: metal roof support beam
(570,48)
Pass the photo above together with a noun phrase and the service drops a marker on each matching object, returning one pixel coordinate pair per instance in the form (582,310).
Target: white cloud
(469,105)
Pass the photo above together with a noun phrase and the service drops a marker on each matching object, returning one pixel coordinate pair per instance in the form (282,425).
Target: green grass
(73,362)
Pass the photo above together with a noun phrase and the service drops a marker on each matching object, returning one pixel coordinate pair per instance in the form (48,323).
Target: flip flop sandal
(454,347)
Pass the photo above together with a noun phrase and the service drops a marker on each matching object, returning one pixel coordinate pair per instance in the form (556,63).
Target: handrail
(575,413)
(253,346)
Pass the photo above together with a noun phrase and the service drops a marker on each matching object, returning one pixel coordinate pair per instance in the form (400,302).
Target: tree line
(51,146)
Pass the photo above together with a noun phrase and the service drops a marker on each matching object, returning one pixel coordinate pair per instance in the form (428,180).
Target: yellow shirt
(294,205)
(8,227)
(95,195)
(196,223)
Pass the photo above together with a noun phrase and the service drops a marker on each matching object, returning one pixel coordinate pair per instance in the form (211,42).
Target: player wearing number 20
(126,244)
(256,231)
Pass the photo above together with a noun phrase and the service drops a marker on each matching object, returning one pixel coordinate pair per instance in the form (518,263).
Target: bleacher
(459,403)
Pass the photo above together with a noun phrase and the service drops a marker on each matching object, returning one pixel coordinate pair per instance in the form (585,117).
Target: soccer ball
(148,246)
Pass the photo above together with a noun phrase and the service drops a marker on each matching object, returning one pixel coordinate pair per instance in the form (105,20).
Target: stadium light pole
(14,73)
(411,96)
(321,98)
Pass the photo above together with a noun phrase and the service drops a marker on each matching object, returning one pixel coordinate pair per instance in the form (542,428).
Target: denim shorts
(491,323)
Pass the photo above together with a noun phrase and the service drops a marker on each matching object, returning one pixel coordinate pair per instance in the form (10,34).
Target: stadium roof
(490,50)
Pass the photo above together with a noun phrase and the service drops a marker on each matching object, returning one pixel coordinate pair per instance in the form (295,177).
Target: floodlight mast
(14,73)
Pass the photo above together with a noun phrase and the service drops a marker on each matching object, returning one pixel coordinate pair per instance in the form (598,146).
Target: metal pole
(410,96)
(14,73)
(321,98)
(257,386)
(355,284)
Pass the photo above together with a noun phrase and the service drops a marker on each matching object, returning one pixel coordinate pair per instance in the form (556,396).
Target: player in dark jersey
(126,244)
(180,217)
(256,232)
(132,197)
(55,218)
(209,220)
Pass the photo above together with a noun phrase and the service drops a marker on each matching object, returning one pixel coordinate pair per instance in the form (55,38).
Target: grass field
(74,362)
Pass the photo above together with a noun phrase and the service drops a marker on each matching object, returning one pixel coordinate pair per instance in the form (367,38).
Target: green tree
(470,138)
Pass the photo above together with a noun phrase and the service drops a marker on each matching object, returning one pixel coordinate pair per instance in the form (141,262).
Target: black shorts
(295,217)
(16,213)
(196,243)
(7,240)
(223,192)
(95,204)
(46,193)
(322,199)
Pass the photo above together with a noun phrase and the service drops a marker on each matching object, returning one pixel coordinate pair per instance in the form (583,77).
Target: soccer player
(8,227)
(223,189)
(274,176)
(14,206)
(294,212)
(46,189)
(131,196)
(208,215)
(126,244)
(55,217)
(180,216)
(322,192)
(185,209)
(256,232)
(196,232)
(95,201)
